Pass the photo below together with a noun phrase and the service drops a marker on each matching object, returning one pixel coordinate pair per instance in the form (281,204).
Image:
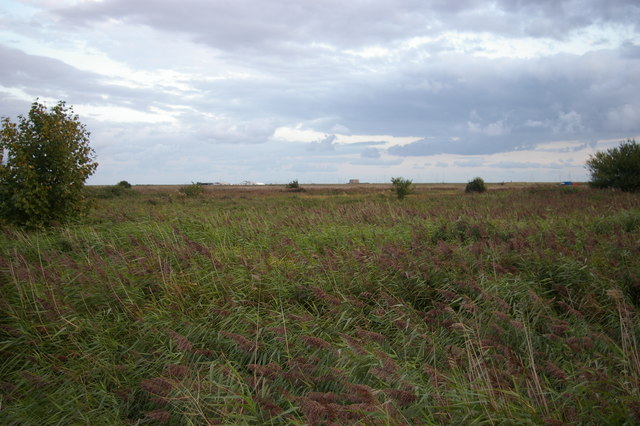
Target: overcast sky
(329,90)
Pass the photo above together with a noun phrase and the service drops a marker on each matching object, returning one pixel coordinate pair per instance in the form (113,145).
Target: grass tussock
(520,306)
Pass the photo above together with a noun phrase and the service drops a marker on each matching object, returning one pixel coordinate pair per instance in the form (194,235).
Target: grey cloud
(262,65)
(284,24)
(366,144)
(30,72)
(630,51)
(221,131)
(40,76)
(241,24)
(470,146)
(407,98)
(572,148)
(470,163)
(326,144)
(375,162)
(370,153)
(526,165)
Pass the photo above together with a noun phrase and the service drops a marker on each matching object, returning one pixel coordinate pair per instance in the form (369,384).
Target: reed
(271,307)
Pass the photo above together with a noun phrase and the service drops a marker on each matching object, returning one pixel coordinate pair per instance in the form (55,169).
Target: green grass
(513,306)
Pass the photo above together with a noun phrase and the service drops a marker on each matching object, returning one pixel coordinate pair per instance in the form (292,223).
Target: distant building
(354,181)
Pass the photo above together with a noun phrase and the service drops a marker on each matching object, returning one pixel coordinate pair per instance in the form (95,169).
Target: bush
(295,186)
(193,190)
(401,186)
(48,160)
(124,184)
(617,167)
(476,185)
(108,192)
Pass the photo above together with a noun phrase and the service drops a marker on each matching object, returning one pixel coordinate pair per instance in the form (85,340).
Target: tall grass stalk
(320,307)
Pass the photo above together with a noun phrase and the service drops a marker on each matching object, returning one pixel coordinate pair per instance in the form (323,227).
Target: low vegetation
(193,190)
(401,186)
(294,186)
(476,185)
(517,307)
(122,189)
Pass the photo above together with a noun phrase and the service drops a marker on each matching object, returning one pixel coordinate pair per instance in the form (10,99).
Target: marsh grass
(520,306)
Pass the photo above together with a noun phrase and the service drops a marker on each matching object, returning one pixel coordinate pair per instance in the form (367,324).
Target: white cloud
(125,115)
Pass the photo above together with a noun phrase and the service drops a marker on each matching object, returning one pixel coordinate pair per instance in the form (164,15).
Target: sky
(325,91)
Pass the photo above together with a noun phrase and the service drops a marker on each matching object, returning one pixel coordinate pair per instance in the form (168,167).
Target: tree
(476,185)
(617,167)
(401,186)
(45,160)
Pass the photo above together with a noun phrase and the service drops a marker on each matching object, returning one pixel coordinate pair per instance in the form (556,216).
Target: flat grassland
(337,305)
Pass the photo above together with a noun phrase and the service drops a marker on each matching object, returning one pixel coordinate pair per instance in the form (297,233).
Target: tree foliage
(476,185)
(617,167)
(401,186)
(45,159)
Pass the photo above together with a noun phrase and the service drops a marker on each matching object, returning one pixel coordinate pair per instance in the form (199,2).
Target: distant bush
(107,192)
(193,190)
(476,185)
(401,186)
(617,167)
(294,186)
(124,184)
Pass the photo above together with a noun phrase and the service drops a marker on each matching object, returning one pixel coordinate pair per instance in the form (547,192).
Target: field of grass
(518,306)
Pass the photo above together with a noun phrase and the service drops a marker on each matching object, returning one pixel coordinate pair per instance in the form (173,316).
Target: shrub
(617,167)
(107,192)
(193,190)
(48,160)
(476,185)
(294,186)
(124,184)
(401,186)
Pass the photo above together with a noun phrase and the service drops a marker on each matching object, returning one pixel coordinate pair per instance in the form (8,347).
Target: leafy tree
(401,186)
(45,160)
(476,185)
(617,167)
